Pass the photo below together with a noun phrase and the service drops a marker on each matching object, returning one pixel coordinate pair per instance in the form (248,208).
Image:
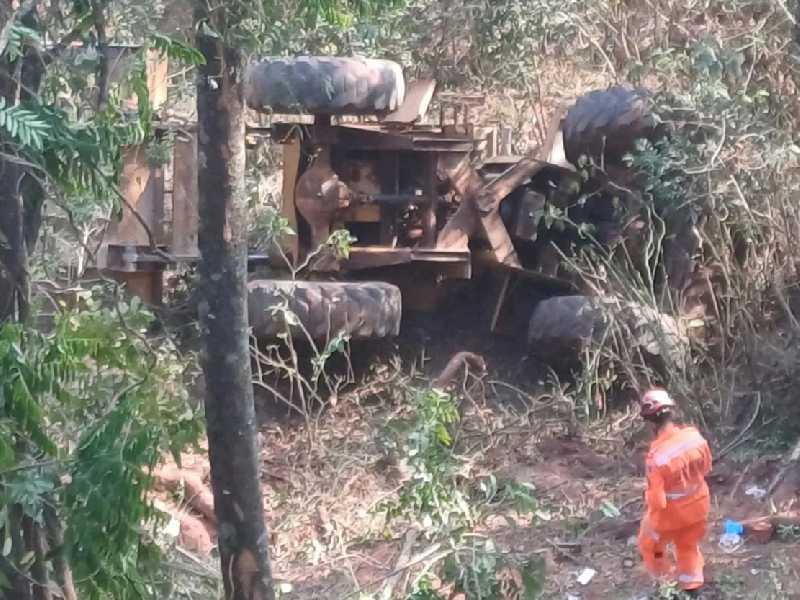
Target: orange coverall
(677,504)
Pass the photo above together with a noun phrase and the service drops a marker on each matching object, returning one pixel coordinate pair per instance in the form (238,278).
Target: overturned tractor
(431,202)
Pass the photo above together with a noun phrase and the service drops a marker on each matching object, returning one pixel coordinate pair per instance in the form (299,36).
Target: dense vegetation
(93,396)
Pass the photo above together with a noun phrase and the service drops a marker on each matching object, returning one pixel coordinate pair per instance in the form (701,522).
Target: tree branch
(460,361)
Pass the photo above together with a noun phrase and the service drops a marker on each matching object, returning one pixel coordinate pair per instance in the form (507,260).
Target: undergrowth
(87,410)
(447,508)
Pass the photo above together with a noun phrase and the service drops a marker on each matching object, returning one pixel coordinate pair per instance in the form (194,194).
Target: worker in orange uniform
(677,497)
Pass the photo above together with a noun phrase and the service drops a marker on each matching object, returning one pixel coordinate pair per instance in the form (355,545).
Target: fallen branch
(405,554)
(425,555)
(786,519)
(459,361)
(197,495)
(792,460)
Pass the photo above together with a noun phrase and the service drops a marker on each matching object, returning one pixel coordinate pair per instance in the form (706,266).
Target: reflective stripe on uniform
(648,531)
(696,577)
(683,494)
(695,440)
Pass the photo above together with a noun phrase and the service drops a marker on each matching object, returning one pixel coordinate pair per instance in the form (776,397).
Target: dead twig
(429,553)
(739,480)
(739,438)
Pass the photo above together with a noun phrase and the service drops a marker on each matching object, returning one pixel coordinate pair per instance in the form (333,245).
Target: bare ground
(330,541)
(325,478)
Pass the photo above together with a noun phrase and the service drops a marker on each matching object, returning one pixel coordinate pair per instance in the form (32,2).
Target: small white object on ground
(730,542)
(756,492)
(585,576)
(172,529)
(573,597)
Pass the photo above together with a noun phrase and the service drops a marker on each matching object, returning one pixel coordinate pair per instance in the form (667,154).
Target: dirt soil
(325,479)
(328,541)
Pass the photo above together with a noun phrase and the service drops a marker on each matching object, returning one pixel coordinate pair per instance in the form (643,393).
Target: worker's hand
(655,497)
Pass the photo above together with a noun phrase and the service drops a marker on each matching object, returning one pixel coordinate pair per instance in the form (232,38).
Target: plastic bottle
(731,538)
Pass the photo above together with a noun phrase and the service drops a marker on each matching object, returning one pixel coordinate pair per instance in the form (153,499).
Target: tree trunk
(34,543)
(21,195)
(13,258)
(55,542)
(20,585)
(230,415)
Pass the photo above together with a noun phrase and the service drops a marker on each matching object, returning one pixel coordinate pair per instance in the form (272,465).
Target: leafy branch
(24,125)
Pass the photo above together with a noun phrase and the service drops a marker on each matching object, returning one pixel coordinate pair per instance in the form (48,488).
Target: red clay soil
(316,545)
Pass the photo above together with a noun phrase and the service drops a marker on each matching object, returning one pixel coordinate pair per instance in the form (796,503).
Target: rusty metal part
(480,203)
(129,258)
(467,183)
(545,280)
(319,196)
(430,208)
(454,263)
(413,109)
(489,197)
(381,137)
(481,200)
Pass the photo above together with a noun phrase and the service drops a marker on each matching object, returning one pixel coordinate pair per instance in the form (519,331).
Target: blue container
(734,527)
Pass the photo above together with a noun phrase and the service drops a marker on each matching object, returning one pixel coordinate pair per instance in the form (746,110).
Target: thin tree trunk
(34,543)
(55,540)
(13,257)
(20,584)
(21,196)
(10,206)
(33,193)
(230,415)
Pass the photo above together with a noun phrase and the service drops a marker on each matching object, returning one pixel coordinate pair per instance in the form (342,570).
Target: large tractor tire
(324,85)
(562,327)
(604,125)
(361,310)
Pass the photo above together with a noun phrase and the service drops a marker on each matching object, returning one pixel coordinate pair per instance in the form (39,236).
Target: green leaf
(27,559)
(26,126)
(177,50)
(609,509)
(18,36)
(443,435)
(533,578)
